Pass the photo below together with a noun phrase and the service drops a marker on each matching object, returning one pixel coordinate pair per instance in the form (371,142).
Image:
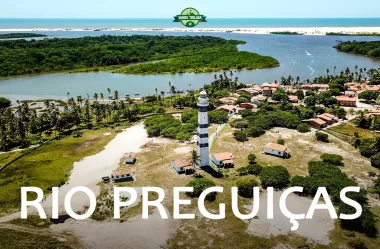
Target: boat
(137,94)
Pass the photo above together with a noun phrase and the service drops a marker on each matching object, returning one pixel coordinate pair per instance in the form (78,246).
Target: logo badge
(190,17)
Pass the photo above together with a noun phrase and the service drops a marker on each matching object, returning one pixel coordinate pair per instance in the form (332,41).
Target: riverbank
(250,30)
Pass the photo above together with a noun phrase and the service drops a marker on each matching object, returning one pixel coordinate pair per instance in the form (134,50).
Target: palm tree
(80,100)
(156,90)
(116,95)
(109,94)
(68,96)
(194,157)
(102,97)
(334,70)
(163,95)
(327,71)
(95,96)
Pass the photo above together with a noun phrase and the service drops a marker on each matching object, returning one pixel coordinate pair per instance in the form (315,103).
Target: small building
(346,101)
(228,100)
(267,91)
(331,116)
(248,106)
(328,118)
(258,99)
(123,175)
(307,87)
(224,160)
(293,99)
(276,150)
(372,88)
(251,91)
(130,158)
(183,166)
(231,109)
(349,94)
(316,123)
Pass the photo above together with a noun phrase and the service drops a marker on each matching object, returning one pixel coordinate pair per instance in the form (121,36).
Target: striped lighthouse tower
(203,150)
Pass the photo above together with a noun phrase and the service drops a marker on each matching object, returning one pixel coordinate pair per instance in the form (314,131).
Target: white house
(183,166)
(122,175)
(224,159)
(276,150)
(130,158)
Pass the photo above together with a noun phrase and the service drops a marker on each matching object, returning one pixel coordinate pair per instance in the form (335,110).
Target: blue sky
(168,8)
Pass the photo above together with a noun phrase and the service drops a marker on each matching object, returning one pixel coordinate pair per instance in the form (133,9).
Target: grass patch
(349,129)
(48,166)
(11,239)
(9,156)
(32,221)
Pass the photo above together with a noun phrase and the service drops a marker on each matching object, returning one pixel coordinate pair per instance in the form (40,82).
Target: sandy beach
(253,30)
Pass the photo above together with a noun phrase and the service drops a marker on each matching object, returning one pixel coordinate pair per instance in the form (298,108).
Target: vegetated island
(211,62)
(192,53)
(20,35)
(285,33)
(352,34)
(366,48)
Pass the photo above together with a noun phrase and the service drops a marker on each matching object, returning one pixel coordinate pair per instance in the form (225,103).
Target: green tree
(251,158)
(245,186)
(275,176)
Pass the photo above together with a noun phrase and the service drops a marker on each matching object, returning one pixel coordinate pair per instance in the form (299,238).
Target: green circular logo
(190,17)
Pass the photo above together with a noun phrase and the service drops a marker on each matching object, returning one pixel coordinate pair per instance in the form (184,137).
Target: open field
(48,166)
(303,148)
(349,129)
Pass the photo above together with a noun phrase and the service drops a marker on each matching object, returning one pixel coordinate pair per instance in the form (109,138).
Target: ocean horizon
(116,23)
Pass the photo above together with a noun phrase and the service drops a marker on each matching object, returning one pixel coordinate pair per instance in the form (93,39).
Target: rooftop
(130,155)
(184,162)
(223,156)
(277,147)
(345,98)
(121,172)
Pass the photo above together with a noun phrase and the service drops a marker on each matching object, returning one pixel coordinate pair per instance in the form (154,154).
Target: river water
(305,56)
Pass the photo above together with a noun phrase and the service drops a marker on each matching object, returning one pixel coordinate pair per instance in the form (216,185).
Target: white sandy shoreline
(253,30)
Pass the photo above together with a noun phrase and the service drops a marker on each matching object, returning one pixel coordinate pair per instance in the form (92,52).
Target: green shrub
(254,169)
(375,160)
(240,136)
(77,133)
(332,159)
(281,141)
(275,176)
(4,102)
(255,131)
(245,186)
(357,244)
(251,158)
(366,223)
(303,128)
(350,234)
(199,185)
(322,136)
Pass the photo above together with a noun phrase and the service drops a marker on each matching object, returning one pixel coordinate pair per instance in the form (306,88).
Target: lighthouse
(203,150)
